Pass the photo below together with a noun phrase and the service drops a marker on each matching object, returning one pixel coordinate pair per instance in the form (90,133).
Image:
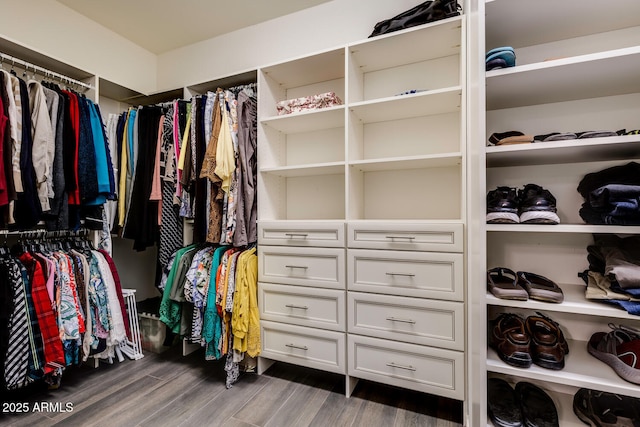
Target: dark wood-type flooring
(171,390)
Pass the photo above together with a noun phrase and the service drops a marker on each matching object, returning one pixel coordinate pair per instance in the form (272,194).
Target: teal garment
(102,170)
(212,325)
(170,310)
(130,140)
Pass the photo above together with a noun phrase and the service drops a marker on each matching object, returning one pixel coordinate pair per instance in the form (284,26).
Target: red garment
(74,111)
(116,279)
(53,351)
(4,194)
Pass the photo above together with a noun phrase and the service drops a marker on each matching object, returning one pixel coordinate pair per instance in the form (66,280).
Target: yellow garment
(124,167)
(225,155)
(185,138)
(245,320)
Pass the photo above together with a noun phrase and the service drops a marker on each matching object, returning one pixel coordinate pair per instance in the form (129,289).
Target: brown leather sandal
(508,337)
(548,345)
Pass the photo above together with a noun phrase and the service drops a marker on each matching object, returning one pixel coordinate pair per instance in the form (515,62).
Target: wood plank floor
(171,390)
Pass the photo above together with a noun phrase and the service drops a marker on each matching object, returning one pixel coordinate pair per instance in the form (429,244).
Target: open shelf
(391,50)
(564,228)
(412,162)
(565,79)
(307,121)
(307,70)
(581,370)
(306,170)
(569,151)
(406,106)
(519,23)
(574,302)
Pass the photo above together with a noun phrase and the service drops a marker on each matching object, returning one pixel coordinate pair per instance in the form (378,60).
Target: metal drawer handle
(395,319)
(401,237)
(292,235)
(395,365)
(299,347)
(304,267)
(401,274)
(301,307)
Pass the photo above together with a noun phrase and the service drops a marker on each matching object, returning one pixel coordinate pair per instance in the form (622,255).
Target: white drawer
(320,267)
(315,348)
(438,237)
(419,321)
(299,305)
(413,274)
(426,369)
(301,233)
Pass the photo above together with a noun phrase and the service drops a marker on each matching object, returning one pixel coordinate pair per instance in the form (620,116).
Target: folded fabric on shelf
(621,256)
(313,102)
(612,196)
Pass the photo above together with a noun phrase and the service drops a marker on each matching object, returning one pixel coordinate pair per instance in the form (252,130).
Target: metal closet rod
(45,72)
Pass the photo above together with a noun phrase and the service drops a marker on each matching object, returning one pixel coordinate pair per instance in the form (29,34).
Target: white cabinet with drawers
(362,214)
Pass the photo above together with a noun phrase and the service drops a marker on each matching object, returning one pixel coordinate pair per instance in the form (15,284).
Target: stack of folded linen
(614,271)
(612,196)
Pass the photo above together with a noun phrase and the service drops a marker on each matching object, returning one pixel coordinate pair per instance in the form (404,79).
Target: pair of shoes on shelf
(526,405)
(520,342)
(505,284)
(500,57)
(510,138)
(562,136)
(598,408)
(620,349)
(529,205)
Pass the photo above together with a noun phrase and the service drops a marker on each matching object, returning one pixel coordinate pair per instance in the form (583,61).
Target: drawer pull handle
(402,274)
(408,368)
(395,319)
(299,347)
(401,237)
(304,267)
(300,307)
(292,235)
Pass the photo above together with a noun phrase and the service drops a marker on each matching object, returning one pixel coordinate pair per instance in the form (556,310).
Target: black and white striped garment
(17,358)
(171,228)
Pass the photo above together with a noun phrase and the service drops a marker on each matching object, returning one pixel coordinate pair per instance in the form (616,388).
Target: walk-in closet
(311,214)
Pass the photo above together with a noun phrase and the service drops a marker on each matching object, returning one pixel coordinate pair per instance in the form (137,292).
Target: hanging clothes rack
(44,71)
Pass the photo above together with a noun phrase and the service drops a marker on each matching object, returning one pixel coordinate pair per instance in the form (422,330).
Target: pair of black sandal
(526,405)
(506,284)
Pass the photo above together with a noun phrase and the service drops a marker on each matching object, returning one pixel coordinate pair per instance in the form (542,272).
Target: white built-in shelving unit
(569,77)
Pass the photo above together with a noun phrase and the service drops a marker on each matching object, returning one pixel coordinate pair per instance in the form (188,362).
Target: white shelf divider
(581,370)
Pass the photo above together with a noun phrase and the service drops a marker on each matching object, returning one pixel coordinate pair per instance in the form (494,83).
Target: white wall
(59,32)
(319,28)
(54,30)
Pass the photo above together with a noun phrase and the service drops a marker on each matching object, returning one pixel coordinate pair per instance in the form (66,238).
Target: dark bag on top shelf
(429,11)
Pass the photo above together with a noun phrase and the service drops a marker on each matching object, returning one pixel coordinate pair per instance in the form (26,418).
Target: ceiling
(162,25)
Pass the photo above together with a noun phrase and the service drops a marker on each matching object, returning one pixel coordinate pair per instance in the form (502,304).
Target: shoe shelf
(520,23)
(569,151)
(564,406)
(574,302)
(569,77)
(565,79)
(563,228)
(581,370)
